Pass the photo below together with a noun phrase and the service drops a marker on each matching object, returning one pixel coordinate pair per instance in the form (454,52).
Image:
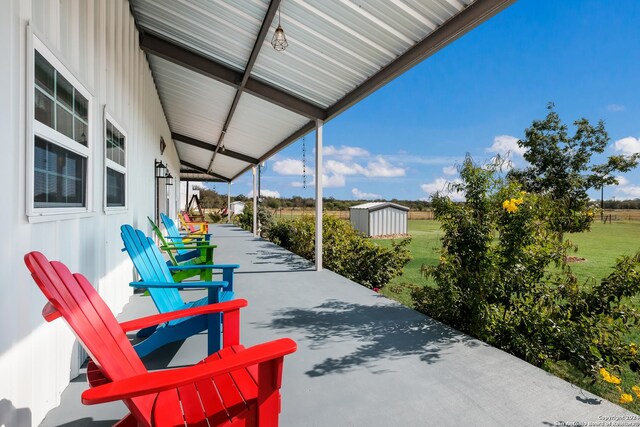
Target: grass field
(600,247)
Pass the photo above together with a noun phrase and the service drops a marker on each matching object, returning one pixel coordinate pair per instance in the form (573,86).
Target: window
(60,151)
(115,165)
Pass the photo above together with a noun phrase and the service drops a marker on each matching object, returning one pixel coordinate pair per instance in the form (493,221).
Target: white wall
(387,221)
(98,42)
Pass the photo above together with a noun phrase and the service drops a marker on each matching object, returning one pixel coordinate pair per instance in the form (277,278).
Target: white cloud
(382,168)
(629,192)
(628,145)
(341,168)
(450,170)
(442,185)
(329,181)
(344,152)
(361,195)
(615,107)
(506,146)
(288,167)
(622,180)
(265,193)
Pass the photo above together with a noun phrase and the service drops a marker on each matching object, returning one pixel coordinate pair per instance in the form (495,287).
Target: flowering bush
(495,279)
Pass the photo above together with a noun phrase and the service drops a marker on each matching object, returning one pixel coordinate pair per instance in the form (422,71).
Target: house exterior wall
(386,221)
(96,41)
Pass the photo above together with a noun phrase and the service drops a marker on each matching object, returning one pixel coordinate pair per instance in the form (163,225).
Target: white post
(319,124)
(229,201)
(255,202)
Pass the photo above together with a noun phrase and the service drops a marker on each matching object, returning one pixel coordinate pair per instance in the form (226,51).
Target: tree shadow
(380,332)
(271,254)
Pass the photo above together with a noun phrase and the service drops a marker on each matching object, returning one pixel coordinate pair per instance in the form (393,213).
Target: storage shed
(379,218)
(237,207)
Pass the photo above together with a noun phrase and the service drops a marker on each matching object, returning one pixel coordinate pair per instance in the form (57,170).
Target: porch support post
(319,125)
(229,201)
(255,202)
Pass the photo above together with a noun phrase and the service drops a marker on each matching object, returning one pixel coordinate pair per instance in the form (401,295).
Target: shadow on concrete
(89,422)
(10,416)
(378,333)
(270,254)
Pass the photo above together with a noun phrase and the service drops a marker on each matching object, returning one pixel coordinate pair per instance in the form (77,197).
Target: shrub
(244,220)
(494,279)
(345,250)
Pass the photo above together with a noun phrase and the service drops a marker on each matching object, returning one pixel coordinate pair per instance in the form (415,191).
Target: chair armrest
(157,381)
(156,319)
(194,237)
(186,285)
(189,245)
(204,266)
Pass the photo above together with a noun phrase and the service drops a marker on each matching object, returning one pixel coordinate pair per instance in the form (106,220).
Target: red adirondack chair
(234,387)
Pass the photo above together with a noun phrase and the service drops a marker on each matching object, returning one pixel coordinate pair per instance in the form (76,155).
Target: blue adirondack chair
(156,277)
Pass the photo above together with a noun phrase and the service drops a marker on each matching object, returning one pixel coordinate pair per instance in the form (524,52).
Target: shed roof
(232,101)
(374,206)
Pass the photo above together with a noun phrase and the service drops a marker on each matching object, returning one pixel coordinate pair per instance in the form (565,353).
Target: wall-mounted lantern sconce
(169,178)
(161,169)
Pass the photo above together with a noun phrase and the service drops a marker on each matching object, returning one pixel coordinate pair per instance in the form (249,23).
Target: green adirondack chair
(185,251)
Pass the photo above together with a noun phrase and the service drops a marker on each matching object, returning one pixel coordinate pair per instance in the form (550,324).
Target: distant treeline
(213,200)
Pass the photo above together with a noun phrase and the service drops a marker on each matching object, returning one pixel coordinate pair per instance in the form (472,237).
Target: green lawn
(600,247)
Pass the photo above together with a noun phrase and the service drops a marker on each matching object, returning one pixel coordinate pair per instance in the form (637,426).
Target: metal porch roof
(232,101)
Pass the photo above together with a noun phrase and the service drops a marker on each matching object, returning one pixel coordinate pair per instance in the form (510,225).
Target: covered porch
(362,359)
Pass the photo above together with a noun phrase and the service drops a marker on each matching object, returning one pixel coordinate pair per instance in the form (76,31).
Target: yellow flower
(609,377)
(517,201)
(636,390)
(626,398)
(633,349)
(522,193)
(510,205)
(590,213)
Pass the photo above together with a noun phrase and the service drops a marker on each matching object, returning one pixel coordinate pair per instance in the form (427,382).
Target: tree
(561,167)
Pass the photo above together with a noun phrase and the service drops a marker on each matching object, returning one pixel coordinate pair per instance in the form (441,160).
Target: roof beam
(264,28)
(210,147)
(179,55)
(475,14)
(204,171)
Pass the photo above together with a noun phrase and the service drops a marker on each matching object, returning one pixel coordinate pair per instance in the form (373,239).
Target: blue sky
(477,96)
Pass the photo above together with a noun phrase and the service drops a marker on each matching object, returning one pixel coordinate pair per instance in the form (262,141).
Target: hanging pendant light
(279,41)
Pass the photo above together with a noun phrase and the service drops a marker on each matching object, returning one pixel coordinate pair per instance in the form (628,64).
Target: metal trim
(204,171)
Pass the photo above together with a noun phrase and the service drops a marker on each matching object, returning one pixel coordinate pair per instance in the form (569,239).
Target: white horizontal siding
(97,41)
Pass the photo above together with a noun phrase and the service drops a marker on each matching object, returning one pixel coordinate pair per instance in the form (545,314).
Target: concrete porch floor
(362,360)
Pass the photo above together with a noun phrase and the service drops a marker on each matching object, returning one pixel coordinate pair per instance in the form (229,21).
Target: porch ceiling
(232,100)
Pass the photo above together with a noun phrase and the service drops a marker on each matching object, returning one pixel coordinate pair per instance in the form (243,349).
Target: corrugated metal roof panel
(379,205)
(228,166)
(221,30)
(336,45)
(195,105)
(257,124)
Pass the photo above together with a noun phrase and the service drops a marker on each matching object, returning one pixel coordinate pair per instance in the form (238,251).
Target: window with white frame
(115,165)
(61,129)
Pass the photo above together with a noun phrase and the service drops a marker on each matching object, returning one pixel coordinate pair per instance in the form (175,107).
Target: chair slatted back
(94,324)
(151,267)
(172,230)
(163,241)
